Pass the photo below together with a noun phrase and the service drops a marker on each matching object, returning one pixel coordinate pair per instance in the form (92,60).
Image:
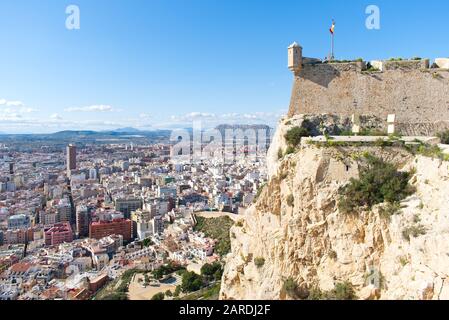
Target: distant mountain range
(127,130)
(80,137)
(58,140)
(118,133)
(65,133)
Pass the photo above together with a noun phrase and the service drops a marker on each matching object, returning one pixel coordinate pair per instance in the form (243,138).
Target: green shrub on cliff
(427,150)
(212,271)
(158,296)
(444,137)
(413,231)
(290,200)
(291,287)
(395,59)
(372,69)
(295,135)
(341,291)
(346,60)
(290,150)
(259,262)
(389,210)
(280,154)
(191,282)
(378,182)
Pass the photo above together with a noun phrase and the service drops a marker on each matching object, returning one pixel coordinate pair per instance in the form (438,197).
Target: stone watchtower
(295,58)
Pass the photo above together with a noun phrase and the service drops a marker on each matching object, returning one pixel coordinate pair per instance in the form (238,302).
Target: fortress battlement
(372,66)
(414,91)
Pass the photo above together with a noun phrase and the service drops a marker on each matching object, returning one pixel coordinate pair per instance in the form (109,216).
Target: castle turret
(295,58)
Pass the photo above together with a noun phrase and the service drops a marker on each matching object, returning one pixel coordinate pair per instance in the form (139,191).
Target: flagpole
(332,40)
(332,49)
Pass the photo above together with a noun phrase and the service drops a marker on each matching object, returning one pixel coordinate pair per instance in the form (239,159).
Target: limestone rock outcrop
(442,63)
(296,229)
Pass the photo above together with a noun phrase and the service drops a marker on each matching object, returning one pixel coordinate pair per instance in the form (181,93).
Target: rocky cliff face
(296,231)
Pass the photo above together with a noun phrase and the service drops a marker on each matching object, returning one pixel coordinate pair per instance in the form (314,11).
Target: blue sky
(162,63)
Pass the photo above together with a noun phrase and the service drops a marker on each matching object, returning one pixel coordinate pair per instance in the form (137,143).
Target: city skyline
(203,150)
(154,65)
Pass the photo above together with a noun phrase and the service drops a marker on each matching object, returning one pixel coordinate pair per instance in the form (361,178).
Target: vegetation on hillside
(389,210)
(290,150)
(158,296)
(417,147)
(208,293)
(294,136)
(444,137)
(166,269)
(427,150)
(259,262)
(372,69)
(290,200)
(413,231)
(346,61)
(218,229)
(205,286)
(379,182)
(117,289)
(212,272)
(341,291)
(191,282)
(280,154)
(291,288)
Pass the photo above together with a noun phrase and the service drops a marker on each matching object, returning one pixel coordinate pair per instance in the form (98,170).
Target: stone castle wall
(416,94)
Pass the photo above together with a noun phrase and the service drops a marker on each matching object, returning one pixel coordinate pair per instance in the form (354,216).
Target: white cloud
(145,116)
(210,120)
(13,110)
(11,113)
(18,124)
(14,103)
(21,119)
(93,108)
(10,116)
(201,115)
(193,116)
(55,116)
(27,110)
(16,110)
(4,102)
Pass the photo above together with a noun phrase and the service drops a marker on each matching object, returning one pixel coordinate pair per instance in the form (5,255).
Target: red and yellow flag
(332,29)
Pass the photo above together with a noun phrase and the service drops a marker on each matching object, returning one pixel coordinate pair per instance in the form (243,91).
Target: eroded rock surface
(296,227)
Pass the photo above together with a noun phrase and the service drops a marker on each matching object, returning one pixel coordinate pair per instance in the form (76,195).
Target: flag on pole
(332,29)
